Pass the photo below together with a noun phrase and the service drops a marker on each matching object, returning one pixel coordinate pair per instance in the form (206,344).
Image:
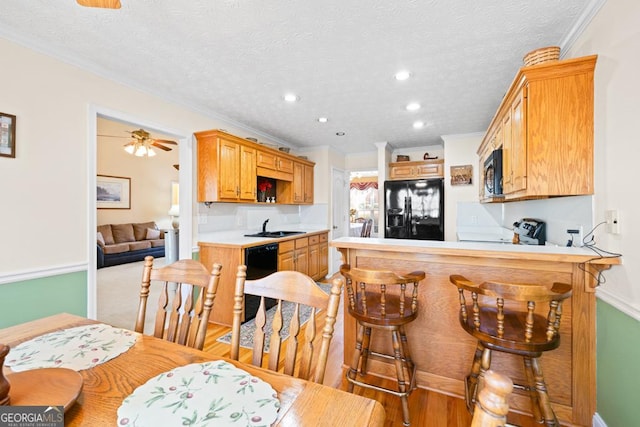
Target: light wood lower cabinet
(308,255)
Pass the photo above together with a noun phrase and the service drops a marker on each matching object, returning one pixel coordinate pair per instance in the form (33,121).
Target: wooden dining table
(105,386)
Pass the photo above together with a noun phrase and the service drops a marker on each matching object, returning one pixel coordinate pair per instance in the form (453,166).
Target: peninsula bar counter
(440,348)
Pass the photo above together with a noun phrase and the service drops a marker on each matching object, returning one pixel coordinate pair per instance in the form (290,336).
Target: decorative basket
(544,54)
(402,158)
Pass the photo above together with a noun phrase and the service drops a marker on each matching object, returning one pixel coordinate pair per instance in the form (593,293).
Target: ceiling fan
(142,143)
(106,4)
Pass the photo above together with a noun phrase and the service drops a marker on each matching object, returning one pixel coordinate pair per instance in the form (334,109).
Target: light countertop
(236,238)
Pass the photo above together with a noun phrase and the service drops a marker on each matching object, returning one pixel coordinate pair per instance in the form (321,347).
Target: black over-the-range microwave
(493,174)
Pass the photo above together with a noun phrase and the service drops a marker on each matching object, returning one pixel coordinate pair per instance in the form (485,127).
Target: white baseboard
(597,421)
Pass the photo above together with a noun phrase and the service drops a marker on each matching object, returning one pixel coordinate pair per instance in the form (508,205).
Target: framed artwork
(113,192)
(461,175)
(7,135)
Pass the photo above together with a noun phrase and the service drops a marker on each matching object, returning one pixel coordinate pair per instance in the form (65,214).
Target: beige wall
(45,191)
(613,35)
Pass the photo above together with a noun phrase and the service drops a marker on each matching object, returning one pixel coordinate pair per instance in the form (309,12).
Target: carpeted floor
(118,289)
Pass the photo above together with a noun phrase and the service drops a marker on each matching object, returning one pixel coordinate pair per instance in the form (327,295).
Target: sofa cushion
(122,233)
(116,249)
(140,229)
(158,243)
(152,234)
(106,234)
(136,246)
(100,239)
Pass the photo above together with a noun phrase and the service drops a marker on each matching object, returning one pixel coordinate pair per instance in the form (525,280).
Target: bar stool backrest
(381,297)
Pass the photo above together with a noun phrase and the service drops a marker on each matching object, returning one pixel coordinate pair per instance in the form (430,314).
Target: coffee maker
(529,231)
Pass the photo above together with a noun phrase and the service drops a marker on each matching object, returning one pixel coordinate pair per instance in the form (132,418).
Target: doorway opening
(363,201)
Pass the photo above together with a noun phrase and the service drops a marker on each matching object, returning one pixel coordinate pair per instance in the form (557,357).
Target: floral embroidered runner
(75,348)
(211,393)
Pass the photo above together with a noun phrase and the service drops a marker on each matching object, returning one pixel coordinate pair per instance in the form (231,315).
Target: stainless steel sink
(274,234)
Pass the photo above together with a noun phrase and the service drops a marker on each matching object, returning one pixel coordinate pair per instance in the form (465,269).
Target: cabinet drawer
(287,246)
(313,240)
(324,237)
(302,243)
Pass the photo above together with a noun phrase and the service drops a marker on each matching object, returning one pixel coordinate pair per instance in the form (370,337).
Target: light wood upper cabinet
(226,168)
(229,167)
(416,170)
(545,127)
(302,183)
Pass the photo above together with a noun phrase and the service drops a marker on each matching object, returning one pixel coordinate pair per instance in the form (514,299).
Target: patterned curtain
(363,185)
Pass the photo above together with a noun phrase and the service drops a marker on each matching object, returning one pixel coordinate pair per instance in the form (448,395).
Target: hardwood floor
(427,408)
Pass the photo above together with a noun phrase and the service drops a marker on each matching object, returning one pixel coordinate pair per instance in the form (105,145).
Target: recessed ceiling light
(291,97)
(340,133)
(323,119)
(418,124)
(402,75)
(413,106)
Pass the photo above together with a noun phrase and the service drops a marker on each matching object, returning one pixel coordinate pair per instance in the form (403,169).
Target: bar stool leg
(353,369)
(365,350)
(531,386)
(402,384)
(406,355)
(541,388)
(471,380)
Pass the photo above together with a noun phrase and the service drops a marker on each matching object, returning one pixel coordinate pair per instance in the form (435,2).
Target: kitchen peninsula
(441,349)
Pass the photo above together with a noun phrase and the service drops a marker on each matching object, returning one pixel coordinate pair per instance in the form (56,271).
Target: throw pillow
(122,233)
(153,234)
(100,238)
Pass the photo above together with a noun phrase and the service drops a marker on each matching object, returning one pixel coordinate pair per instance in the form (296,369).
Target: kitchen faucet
(264,226)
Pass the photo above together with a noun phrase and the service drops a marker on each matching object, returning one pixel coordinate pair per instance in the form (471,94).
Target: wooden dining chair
(366,228)
(299,290)
(191,289)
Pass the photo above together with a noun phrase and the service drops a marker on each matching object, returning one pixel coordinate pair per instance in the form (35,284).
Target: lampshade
(175,210)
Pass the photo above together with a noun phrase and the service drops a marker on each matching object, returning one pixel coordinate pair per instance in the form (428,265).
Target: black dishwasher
(260,261)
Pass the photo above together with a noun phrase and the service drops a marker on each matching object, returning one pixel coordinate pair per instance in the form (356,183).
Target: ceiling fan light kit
(105,4)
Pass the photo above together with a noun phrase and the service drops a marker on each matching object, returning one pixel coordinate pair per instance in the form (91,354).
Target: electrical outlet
(202,219)
(613,221)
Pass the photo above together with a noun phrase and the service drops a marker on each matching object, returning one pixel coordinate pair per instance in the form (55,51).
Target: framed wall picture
(7,135)
(461,175)
(113,192)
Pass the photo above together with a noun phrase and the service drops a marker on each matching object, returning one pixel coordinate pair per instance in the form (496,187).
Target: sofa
(123,243)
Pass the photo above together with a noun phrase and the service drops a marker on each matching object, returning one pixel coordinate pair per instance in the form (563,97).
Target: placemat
(76,348)
(212,393)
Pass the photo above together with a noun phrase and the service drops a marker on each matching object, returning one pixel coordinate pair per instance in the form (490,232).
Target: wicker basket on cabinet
(544,54)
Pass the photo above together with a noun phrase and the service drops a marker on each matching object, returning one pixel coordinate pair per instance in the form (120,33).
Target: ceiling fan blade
(106,4)
(160,146)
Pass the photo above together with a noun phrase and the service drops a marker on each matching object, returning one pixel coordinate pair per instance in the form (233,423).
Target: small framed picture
(7,135)
(461,175)
(113,192)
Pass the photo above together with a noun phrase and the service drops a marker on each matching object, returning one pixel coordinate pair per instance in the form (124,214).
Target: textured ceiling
(234,59)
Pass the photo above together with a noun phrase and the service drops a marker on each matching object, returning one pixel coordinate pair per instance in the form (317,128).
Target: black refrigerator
(414,209)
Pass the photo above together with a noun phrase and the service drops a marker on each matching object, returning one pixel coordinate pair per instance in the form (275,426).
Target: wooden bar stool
(380,300)
(502,317)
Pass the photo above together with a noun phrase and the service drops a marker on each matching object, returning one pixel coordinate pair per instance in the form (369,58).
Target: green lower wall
(33,299)
(618,367)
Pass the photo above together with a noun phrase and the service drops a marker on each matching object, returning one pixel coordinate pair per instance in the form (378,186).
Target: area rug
(248,328)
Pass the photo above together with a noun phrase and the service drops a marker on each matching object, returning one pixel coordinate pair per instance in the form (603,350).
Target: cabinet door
(302,260)
(286,262)
(507,153)
(402,172)
(308,184)
(229,169)
(518,157)
(266,160)
(323,266)
(284,164)
(247,173)
(429,170)
(298,183)
(314,261)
